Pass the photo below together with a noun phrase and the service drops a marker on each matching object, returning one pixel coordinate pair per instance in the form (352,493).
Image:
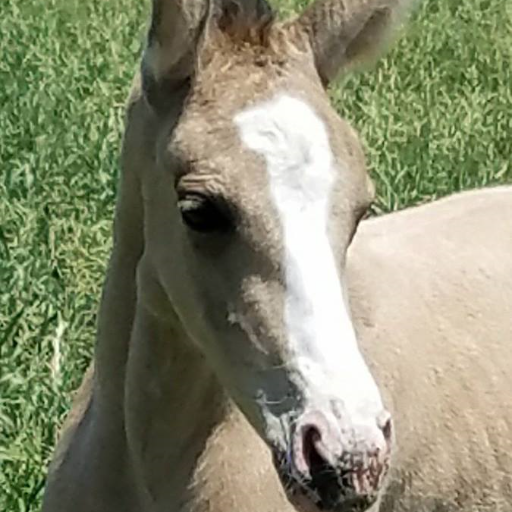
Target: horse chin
(305,500)
(304,503)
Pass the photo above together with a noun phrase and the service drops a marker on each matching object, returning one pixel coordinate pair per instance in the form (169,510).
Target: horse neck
(173,402)
(188,442)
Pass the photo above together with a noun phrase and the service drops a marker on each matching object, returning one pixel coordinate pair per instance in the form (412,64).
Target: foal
(224,342)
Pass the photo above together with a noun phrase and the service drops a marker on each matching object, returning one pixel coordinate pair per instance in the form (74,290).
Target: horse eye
(202,214)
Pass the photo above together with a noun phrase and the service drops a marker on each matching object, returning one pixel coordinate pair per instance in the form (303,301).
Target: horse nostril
(324,481)
(311,438)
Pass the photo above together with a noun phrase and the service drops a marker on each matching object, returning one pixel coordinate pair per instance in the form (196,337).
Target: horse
(239,362)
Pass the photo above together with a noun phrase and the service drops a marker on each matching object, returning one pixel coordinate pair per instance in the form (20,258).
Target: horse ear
(175,37)
(342,32)
(169,58)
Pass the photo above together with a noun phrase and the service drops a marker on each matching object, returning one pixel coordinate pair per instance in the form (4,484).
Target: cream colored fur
(431,294)
(155,427)
(430,289)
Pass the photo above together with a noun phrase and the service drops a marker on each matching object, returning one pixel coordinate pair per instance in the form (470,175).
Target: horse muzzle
(328,468)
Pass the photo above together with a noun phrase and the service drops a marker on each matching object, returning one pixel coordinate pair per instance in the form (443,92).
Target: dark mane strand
(245,24)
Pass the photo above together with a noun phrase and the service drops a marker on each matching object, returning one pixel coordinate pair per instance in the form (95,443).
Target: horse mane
(244,21)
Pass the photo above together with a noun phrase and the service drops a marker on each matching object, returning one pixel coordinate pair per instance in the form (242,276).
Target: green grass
(436,117)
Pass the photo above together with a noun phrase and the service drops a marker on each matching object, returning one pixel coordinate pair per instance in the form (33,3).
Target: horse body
(430,297)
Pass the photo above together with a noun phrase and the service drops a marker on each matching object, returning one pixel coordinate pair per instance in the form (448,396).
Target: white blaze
(295,145)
